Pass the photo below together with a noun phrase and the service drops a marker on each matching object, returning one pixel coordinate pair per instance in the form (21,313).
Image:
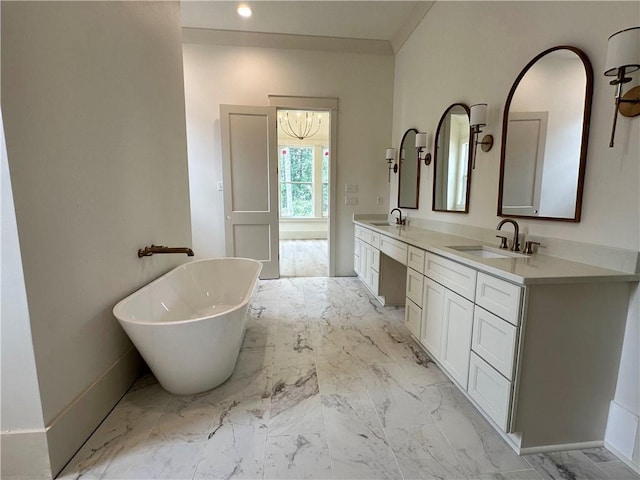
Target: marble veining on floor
(328,385)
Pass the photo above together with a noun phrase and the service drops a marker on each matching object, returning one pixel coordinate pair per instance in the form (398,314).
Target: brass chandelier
(300,124)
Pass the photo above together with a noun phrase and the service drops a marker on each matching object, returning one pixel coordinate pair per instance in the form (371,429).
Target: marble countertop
(530,269)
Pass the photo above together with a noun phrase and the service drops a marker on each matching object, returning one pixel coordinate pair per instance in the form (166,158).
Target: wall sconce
(422,143)
(477,120)
(390,156)
(623,56)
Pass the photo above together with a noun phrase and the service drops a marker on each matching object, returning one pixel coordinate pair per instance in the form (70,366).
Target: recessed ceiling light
(244,11)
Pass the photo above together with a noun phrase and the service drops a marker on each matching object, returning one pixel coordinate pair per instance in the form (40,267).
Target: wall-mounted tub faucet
(515,245)
(399,219)
(148,251)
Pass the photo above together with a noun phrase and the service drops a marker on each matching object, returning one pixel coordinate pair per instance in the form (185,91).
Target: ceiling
(374,20)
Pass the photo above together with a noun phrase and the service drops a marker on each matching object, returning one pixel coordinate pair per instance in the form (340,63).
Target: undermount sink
(381,224)
(483,251)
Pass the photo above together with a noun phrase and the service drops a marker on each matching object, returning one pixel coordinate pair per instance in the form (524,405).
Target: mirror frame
(588,96)
(404,136)
(435,161)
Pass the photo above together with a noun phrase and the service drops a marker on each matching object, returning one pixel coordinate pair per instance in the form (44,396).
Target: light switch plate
(351,200)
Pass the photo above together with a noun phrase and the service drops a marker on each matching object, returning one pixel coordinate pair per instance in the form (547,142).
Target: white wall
(471,52)
(21,410)
(93,107)
(363,84)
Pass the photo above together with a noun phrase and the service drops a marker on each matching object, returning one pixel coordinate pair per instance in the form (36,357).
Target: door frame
(330,105)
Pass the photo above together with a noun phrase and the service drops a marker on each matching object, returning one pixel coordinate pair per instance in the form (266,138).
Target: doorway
(304,159)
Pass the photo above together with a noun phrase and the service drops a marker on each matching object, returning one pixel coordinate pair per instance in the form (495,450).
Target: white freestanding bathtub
(189,324)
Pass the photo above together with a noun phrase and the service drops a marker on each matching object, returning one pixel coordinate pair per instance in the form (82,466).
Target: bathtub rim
(147,286)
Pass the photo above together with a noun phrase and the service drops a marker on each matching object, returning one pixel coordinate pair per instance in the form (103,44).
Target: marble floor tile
(617,470)
(233,451)
(357,442)
(304,455)
(423,452)
(115,444)
(600,454)
(328,384)
(517,475)
(295,402)
(339,373)
(478,445)
(419,368)
(394,397)
(186,419)
(565,465)
(166,461)
(365,346)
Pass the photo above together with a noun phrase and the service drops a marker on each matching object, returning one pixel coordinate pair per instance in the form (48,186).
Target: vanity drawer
(413,318)
(365,235)
(499,297)
(494,340)
(394,249)
(452,275)
(357,247)
(375,239)
(375,259)
(490,390)
(415,259)
(415,281)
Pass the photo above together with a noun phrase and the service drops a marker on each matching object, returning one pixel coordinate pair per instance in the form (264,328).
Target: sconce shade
(478,116)
(623,51)
(421,140)
(390,154)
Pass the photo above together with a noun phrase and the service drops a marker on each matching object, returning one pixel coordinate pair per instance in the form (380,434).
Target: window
(304,181)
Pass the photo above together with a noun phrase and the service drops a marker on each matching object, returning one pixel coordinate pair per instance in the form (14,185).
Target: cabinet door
(413,318)
(432,310)
(365,258)
(455,347)
(415,286)
(357,252)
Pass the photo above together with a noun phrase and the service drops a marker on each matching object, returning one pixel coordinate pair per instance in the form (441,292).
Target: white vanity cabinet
(455,342)
(369,264)
(366,258)
(469,326)
(534,343)
(432,317)
(447,316)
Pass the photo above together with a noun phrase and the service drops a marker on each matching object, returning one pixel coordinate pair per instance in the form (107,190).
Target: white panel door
(456,336)
(525,147)
(250,173)
(432,313)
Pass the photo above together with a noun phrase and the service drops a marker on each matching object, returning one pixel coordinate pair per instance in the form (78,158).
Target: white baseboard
(633,466)
(75,424)
(25,454)
(622,436)
(561,447)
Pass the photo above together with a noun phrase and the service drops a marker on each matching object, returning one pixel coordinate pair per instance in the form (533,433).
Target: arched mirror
(409,171)
(451,167)
(545,130)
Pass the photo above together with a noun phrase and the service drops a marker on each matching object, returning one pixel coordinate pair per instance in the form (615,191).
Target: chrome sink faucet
(399,219)
(515,245)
